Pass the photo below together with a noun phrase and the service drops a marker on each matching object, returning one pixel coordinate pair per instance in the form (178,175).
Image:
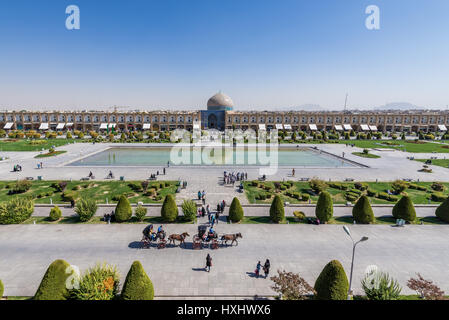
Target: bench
(85,178)
(304,179)
(152,178)
(349,179)
(29,178)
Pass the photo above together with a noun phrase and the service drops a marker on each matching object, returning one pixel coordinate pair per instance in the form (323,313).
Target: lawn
(32,145)
(366,155)
(42,191)
(50,154)
(338,196)
(437,162)
(409,145)
(99,220)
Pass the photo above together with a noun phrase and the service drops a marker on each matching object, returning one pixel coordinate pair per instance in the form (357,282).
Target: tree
(189,210)
(332,283)
(53,285)
(236,211)
(86,208)
(169,210)
(403,209)
(324,209)
(55,213)
(425,288)
(442,212)
(138,285)
(291,286)
(16,210)
(362,211)
(123,211)
(277,213)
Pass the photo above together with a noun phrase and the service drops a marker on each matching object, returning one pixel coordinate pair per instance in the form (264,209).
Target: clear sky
(263,53)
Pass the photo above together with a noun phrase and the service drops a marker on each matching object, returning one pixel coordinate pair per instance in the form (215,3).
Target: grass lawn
(437,162)
(366,155)
(50,154)
(409,145)
(338,196)
(32,145)
(99,220)
(42,191)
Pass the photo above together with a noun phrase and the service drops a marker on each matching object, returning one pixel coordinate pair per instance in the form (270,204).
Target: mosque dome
(220,101)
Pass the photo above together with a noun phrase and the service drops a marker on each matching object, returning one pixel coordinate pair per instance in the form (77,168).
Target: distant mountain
(399,106)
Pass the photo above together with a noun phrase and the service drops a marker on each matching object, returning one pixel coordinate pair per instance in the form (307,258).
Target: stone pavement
(27,250)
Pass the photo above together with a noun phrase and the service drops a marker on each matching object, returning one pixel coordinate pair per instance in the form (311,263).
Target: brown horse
(231,237)
(180,237)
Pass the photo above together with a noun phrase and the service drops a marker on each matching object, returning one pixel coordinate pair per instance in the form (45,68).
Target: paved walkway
(27,250)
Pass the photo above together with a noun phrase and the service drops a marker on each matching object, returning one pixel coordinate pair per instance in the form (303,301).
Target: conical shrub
(332,283)
(53,284)
(236,211)
(123,211)
(403,209)
(277,213)
(442,211)
(169,210)
(324,209)
(138,285)
(362,211)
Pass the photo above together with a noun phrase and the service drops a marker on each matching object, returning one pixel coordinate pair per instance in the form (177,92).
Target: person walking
(164,171)
(257,271)
(293,172)
(212,220)
(208,263)
(199,195)
(266,268)
(203,211)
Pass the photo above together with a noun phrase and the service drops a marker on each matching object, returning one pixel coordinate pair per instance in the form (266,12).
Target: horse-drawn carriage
(149,237)
(205,238)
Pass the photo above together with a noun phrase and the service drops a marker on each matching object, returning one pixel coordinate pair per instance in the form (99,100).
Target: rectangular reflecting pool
(206,156)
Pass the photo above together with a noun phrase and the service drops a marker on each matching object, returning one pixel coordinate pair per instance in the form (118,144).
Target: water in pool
(239,156)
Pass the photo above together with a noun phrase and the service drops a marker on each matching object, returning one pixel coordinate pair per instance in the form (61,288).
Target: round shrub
(138,285)
(53,284)
(442,212)
(169,210)
(236,211)
(277,213)
(403,209)
(16,210)
(123,211)
(140,212)
(324,209)
(362,211)
(55,213)
(86,209)
(332,283)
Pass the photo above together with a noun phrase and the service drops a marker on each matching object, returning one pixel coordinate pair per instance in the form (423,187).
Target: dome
(220,101)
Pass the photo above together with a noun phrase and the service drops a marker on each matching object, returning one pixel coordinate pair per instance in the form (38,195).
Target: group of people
(40,165)
(231,178)
(17,168)
(150,234)
(265,267)
(202,196)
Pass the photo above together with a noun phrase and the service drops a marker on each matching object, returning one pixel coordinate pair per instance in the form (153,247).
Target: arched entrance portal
(212,122)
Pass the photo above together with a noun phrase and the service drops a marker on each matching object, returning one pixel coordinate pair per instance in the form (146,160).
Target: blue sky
(263,53)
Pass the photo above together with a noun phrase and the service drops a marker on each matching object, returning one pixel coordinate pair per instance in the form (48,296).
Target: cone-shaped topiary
(138,285)
(53,284)
(123,211)
(169,211)
(403,209)
(55,213)
(235,211)
(362,211)
(1,288)
(332,283)
(324,209)
(442,211)
(277,213)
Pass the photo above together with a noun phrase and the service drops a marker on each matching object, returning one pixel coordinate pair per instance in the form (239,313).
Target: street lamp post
(346,229)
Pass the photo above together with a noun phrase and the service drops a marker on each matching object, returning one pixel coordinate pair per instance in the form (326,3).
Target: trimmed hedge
(404,209)
(55,213)
(138,285)
(437,197)
(332,283)
(362,211)
(324,208)
(169,210)
(236,211)
(123,210)
(442,212)
(277,213)
(53,284)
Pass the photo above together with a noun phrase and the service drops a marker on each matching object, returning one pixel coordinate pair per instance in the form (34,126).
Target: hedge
(169,210)
(362,211)
(324,208)
(437,197)
(123,210)
(332,283)
(277,213)
(53,284)
(138,285)
(442,212)
(404,209)
(236,211)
